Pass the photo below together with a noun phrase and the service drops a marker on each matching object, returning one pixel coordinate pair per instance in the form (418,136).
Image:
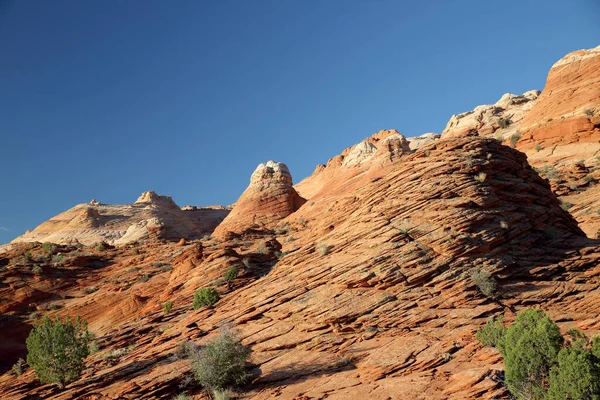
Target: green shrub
(221,395)
(491,333)
(56,349)
(504,122)
(565,205)
(167,306)
(37,269)
(90,289)
(18,367)
(575,377)
(514,139)
(530,347)
(205,297)
(230,274)
(49,247)
(221,364)
(484,281)
(322,248)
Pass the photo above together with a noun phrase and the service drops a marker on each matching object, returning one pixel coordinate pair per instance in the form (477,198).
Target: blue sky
(106,99)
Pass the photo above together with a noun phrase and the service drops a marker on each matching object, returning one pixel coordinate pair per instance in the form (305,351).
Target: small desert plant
(589,112)
(204,297)
(220,395)
(469,161)
(480,177)
(491,333)
(504,225)
(181,396)
(221,364)
(94,347)
(90,289)
(262,249)
(100,246)
(504,122)
(56,350)
(322,248)
(548,171)
(484,282)
(565,205)
(18,367)
(36,269)
(514,139)
(167,306)
(538,147)
(230,274)
(49,247)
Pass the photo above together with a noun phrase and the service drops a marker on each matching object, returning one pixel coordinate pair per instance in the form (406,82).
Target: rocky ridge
(361,289)
(151,216)
(371,299)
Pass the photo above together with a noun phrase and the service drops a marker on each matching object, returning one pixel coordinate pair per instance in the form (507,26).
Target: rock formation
(150,216)
(269,198)
(388,311)
(365,291)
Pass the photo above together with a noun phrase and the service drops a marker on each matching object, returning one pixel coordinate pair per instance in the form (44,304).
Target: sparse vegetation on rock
(56,349)
(322,248)
(221,364)
(205,297)
(230,274)
(538,363)
(484,282)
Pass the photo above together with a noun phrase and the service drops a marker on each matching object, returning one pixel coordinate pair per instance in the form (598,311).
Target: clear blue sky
(106,99)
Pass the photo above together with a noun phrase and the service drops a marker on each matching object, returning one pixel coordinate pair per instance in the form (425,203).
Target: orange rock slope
(558,129)
(363,292)
(354,283)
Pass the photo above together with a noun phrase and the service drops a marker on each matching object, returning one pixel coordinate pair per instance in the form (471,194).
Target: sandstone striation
(364,291)
(150,216)
(388,311)
(269,198)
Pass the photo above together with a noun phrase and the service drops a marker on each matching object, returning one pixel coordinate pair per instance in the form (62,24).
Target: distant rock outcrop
(501,119)
(151,216)
(269,198)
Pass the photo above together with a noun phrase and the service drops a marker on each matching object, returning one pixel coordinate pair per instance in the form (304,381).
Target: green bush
(18,367)
(514,139)
(322,248)
(167,306)
(49,247)
(205,297)
(56,349)
(504,122)
(491,333)
(484,281)
(576,376)
(530,347)
(230,274)
(221,364)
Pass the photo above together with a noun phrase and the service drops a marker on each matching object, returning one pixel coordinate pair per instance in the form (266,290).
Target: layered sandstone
(150,216)
(388,311)
(269,198)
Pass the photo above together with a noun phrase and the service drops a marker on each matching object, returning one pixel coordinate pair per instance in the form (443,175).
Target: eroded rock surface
(151,216)
(269,198)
